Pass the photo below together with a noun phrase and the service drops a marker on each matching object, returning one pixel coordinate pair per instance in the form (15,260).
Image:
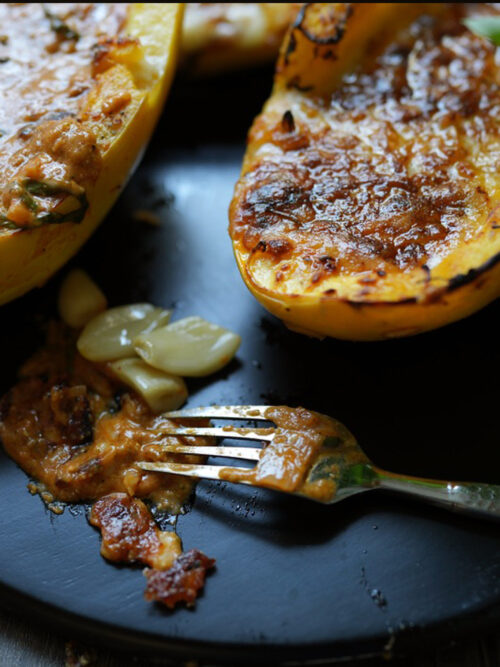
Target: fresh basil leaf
(485,26)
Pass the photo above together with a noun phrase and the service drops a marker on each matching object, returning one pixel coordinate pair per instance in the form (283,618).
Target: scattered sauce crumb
(304,457)
(284,462)
(129,533)
(182,582)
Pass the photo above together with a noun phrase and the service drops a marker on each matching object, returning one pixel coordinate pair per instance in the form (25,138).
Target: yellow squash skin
(368,209)
(29,257)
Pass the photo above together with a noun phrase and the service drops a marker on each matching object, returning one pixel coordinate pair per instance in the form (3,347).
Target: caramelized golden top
(387,174)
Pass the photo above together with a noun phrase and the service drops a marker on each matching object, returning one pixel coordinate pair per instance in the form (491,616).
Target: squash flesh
(28,257)
(364,199)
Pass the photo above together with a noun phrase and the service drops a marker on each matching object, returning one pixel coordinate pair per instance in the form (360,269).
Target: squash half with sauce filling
(369,201)
(81,89)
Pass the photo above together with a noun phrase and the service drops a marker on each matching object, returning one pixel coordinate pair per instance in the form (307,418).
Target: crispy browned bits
(182,582)
(128,530)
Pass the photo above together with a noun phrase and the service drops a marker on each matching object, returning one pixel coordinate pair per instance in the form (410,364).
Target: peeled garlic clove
(80,299)
(192,347)
(109,336)
(160,390)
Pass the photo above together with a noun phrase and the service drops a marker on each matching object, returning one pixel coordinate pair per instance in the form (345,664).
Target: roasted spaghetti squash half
(369,201)
(82,88)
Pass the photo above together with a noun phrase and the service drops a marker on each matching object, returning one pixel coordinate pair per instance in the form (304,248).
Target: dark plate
(295,579)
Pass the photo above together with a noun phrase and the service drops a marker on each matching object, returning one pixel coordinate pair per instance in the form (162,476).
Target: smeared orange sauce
(284,462)
(305,457)
(79,432)
(80,435)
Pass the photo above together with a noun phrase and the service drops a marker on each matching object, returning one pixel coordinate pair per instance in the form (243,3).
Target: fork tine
(221,412)
(248,453)
(191,470)
(220,432)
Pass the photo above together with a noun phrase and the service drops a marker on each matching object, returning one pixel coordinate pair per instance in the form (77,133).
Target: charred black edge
(288,122)
(330,40)
(465,278)
(454,283)
(291,46)
(460,280)
(322,41)
(363,304)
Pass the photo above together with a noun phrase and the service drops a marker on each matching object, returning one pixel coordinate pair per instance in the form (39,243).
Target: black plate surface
(295,578)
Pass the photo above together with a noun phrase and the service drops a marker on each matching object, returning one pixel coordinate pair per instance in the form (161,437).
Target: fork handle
(468,497)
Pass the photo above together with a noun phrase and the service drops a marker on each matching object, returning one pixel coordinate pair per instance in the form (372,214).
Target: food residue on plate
(78,427)
(303,456)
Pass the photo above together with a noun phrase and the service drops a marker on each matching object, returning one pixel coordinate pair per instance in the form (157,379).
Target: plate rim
(391,645)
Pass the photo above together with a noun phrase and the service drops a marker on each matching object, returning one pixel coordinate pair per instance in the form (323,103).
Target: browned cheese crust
(129,533)
(383,176)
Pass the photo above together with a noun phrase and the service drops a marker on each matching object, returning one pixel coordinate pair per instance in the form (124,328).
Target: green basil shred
(29,189)
(485,26)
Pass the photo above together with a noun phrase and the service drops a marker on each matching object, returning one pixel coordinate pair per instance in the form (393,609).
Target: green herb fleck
(326,468)
(485,26)
(61,28)
(29,189)
(332,441)
(58,218)
(5,223)
(40,188)
(29,202)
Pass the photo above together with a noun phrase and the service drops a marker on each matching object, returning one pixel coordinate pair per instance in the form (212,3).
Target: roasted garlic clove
(109,336)
(161,391)
(80,299)
(192,347)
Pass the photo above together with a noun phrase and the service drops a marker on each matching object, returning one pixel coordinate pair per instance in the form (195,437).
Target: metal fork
(338,470)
